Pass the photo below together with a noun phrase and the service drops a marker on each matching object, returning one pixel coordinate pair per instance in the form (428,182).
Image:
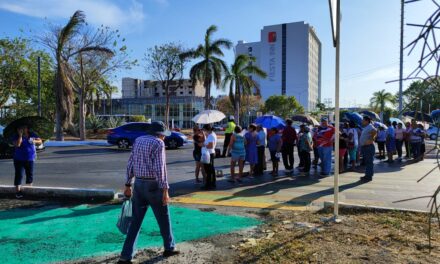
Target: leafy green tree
(240,82)
(248,103)
(13,61)
(165,65)
(320,106)
(422,96)
(283,106)
(210,68)
(380,99)
(18,79)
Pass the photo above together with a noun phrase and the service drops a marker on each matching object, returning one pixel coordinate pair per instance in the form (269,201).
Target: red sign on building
(272,37)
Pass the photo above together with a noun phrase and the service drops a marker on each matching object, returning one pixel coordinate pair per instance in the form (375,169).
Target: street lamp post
(335,14)
(39,85)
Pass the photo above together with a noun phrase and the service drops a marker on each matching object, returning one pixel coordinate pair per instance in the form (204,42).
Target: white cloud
(98,12)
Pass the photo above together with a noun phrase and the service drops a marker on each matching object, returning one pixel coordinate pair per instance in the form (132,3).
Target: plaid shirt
(147,160)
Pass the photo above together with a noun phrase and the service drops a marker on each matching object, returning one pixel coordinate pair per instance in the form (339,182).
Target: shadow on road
(75,213)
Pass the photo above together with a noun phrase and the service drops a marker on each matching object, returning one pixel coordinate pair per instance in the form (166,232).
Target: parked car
(6,150)
(432,132)
(125,135)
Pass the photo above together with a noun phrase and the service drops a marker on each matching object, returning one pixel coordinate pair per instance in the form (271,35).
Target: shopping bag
(206,156)
(125,217)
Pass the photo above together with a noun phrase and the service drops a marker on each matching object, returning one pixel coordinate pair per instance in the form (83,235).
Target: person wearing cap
(366,141)
(228,133)
(324,140)
(147,169)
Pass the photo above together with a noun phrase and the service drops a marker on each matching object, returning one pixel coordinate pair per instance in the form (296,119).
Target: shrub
(138,118)
(113,122)
(95,123)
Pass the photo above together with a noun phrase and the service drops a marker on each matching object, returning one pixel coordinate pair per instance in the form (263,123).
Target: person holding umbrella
(24,157)
(209,147)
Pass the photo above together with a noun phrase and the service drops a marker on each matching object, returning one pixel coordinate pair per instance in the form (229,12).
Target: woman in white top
(399,133)
(209,147)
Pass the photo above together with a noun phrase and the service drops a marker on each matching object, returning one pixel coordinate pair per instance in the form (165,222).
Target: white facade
(136,88)
(290,54)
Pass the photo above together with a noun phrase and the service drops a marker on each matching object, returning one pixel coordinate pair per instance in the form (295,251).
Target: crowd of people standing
(357,147)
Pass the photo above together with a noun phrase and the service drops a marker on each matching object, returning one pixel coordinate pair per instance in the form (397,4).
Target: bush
(94,123)
(113,122)
(138,118)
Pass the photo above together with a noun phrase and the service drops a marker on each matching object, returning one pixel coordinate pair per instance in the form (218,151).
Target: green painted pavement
(49,234)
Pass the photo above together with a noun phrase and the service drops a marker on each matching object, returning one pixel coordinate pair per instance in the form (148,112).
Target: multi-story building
(136,88)
(148,98)
(290,54)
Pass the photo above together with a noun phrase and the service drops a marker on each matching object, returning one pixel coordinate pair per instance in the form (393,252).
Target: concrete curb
(67,143)
(60,193)
(329,205)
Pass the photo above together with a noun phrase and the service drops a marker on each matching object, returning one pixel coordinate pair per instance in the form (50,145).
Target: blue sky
(369,31)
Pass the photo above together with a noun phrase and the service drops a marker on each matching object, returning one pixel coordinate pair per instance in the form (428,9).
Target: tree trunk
(82,115)
(207,96)
(237,104)
(59,127)
(167,106)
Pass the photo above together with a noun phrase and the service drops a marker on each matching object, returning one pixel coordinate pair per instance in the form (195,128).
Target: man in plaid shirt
(147,167)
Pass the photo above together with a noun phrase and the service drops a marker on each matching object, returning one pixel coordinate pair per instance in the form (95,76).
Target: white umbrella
(208,117)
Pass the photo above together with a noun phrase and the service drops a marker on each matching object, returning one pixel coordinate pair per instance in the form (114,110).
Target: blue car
(432,132)
(125,135)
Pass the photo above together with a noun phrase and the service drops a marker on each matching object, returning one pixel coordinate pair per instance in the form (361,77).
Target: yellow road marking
(236,203)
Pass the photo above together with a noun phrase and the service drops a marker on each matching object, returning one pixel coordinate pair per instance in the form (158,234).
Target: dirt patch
(361,237)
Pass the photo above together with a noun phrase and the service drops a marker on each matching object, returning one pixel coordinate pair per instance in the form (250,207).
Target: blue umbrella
(419,116)
(270,121)
(371,114)
(379,124)
(354,117)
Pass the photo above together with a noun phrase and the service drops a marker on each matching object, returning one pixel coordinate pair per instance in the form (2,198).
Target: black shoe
(19,195)
(170,253)
(366,179)
(122,261)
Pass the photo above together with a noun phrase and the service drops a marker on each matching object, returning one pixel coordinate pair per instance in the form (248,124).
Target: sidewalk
(391,183)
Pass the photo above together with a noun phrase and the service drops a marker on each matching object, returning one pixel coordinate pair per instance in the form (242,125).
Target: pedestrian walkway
(391,183)
(51,234)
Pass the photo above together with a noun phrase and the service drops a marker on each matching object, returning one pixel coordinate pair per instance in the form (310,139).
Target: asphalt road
(104,167)
(101,167)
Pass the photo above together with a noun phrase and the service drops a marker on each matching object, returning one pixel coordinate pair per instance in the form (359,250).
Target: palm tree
(380,99)
(211,67)
(240,82)
(63,87)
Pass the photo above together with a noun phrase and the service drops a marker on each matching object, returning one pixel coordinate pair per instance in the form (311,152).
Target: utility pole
(402,13)
(402,20)
(39,86)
